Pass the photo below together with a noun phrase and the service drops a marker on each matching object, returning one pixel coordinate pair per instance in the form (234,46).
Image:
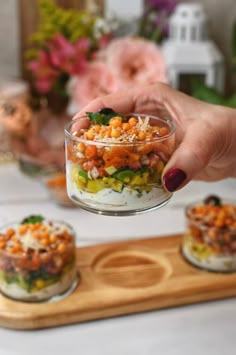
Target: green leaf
(33,219)
(231,101)
(205,93)
(102,118)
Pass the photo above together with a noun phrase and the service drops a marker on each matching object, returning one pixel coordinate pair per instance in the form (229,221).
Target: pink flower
(68,57)
(59,57)
(96,81)
(43,71)
(135,60)
(44,85)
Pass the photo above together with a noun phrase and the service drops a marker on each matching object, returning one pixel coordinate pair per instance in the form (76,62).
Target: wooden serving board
(123,278)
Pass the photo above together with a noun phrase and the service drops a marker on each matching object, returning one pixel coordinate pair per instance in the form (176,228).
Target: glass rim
(169,122)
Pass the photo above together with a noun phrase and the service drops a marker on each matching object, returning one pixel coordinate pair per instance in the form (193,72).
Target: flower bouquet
(123,63)
(63,45)
(74,57)
(154,22)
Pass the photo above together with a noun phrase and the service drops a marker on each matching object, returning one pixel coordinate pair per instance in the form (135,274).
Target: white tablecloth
(207,328)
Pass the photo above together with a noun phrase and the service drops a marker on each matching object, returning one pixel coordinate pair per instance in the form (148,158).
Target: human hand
(205,135)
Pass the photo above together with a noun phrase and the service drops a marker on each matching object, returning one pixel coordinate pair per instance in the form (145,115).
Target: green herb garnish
(213,200)
(33,219)
(103,118)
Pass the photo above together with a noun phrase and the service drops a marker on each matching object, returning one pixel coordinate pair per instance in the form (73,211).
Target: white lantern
(188,49)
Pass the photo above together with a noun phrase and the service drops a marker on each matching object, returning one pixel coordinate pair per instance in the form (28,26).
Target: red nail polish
(173,179)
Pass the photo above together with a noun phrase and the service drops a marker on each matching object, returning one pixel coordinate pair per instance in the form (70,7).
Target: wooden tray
(123,278)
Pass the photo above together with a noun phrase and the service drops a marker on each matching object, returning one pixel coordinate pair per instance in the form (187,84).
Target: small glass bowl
(37,260)
(210,238)
(56,186)
(113,177)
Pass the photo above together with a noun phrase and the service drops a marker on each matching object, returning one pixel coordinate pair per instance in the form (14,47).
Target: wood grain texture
(123,278)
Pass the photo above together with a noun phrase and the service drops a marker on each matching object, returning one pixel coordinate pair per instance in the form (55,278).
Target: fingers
(150,99)
(122,102)
(80,122)
(198,148)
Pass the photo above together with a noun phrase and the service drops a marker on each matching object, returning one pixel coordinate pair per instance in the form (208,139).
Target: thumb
(191,157)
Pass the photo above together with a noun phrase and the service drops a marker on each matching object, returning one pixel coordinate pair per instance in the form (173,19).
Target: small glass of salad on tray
(114,162)
(37,259)
(210,238)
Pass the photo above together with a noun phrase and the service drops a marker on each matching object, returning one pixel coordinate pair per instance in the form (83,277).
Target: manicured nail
(173,179)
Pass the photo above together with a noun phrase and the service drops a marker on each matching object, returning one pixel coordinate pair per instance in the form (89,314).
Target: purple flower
(161,21)
(162,5)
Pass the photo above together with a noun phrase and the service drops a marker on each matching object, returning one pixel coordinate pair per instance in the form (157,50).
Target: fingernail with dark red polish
(173,179)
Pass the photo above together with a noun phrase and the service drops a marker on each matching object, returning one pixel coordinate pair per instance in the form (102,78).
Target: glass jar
(14,95)
(210,238)
(114,167)
(55,184)
(37,259)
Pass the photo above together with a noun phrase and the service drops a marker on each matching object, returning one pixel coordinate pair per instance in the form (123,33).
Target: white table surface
(207,328)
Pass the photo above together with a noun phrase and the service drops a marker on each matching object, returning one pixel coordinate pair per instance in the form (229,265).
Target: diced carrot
(145,148)
(91,152)
(57,181)
(34,264)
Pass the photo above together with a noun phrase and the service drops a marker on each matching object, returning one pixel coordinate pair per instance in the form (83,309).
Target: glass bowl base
(218,264)
(115,210)
(55,298)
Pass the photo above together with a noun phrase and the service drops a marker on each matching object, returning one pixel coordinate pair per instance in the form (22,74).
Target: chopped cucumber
(124,175)
(110,170)
(24,283)
(84,174)
(82,178)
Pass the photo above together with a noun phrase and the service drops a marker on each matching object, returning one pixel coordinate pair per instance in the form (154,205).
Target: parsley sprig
(103,118)
(33,219)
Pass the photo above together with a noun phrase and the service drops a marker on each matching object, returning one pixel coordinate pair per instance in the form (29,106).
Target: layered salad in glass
(210,238)
(37,259)
(114,162)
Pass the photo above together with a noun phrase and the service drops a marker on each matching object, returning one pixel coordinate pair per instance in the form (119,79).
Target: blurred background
(58,55)
(18,19)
